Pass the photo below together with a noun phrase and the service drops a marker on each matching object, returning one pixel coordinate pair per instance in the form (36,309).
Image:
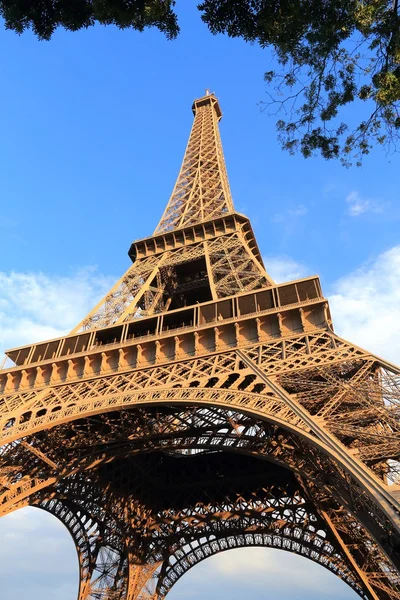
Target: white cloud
(365,305)
(248,572)
(357,205)
(329,188)
(289,214)
(38,553)
(283,268)
(35,306)
(37,556)
(7,223)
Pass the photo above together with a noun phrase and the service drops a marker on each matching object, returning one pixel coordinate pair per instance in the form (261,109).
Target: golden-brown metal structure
(201,407)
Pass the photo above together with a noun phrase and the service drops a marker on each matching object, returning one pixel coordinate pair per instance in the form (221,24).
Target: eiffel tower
(201,407)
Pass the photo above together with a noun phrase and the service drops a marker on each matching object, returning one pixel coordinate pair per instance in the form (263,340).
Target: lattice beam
(202,189)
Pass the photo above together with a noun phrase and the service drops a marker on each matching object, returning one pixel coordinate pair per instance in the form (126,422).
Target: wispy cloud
(328,188)
(365,305)
(35,306)
(290,213)
(7,223)
(358,205)
(247,573)
(284,268)
(38,557)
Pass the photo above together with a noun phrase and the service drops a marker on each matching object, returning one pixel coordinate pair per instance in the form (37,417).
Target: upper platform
(208,99)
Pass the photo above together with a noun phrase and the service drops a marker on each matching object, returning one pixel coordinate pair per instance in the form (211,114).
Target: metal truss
(227,266)
(275,515)
(202,188)
(200,407)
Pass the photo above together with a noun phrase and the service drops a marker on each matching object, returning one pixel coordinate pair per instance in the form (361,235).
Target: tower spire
(202,189)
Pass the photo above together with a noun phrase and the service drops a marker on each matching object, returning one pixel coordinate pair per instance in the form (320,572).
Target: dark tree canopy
(44,16)
(330,54)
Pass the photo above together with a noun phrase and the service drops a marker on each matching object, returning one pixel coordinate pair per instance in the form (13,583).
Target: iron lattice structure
(201,407)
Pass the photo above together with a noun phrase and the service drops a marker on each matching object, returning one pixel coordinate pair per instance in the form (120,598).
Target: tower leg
(344,548)
(142,581)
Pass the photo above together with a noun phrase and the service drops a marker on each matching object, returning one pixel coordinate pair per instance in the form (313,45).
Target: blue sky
(93,128)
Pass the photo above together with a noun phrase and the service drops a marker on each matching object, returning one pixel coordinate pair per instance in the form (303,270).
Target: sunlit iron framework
(200,407)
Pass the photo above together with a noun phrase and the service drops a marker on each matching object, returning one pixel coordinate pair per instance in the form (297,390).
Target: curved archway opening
(214,466)
(260,573)
(37,556)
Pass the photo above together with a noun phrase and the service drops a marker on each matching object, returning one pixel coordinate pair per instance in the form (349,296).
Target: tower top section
(209,98)
(202,189)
